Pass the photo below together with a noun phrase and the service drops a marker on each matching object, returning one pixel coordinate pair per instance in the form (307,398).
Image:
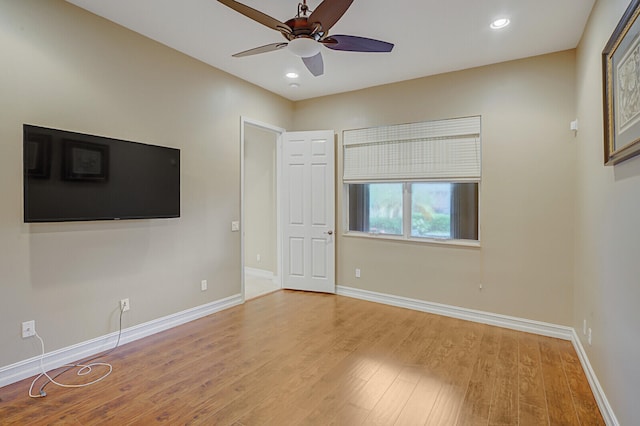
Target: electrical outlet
(28,329)
(258,258)
(203,285)
(124,305)
(357,272)
(589,337)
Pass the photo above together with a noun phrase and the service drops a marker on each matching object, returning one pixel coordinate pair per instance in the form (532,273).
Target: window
(438,210)
(416,181)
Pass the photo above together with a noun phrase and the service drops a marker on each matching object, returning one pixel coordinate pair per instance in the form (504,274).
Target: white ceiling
(430,37)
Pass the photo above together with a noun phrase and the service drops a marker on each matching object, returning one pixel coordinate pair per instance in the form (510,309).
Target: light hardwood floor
(292,358)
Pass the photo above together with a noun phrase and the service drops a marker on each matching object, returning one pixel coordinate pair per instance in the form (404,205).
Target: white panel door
(308,211)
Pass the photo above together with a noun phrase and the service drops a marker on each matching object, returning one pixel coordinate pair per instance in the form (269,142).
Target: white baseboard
(30,367)
(601,399)
(514,323)
(262,273)
(258,273)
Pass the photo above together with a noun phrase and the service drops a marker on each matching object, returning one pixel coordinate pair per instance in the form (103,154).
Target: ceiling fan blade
(329,12)
(356,44)
(314,64)
(258,16)
(262,49)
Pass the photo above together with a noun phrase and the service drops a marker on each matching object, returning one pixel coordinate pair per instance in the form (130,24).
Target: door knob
(329,232)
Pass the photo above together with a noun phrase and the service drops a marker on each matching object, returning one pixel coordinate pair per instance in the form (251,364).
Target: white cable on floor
(83,371)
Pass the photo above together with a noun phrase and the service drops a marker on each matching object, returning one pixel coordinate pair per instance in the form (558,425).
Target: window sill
(400,238)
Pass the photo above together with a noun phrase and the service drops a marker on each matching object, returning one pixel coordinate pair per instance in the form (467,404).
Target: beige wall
(65,68)
(260,222)
(607,243)
(526,260)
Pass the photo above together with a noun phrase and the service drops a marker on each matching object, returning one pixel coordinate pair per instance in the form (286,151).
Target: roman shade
(432,150)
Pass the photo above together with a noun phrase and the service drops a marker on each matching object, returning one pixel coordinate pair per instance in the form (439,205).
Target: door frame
(278,131)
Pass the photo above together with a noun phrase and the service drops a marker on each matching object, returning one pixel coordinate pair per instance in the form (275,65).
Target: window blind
(432,150)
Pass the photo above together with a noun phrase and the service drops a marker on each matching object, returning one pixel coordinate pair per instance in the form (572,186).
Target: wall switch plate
(203,285)
(235,226)
(28,329)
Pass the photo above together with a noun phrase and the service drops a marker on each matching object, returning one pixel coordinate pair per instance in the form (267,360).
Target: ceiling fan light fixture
(500,23)
(304,47)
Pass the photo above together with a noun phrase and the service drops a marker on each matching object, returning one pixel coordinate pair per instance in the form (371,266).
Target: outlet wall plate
(28,328)
(124,305)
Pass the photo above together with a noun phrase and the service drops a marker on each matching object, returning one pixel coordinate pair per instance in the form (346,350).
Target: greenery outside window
(376,208)
(416,210)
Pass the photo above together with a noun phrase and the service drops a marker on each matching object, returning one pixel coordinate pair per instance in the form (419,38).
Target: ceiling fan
(307,34)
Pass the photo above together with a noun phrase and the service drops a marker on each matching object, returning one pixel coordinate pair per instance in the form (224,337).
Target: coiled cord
(86,367)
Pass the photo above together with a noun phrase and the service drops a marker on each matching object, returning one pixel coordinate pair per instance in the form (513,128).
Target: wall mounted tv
(72,176)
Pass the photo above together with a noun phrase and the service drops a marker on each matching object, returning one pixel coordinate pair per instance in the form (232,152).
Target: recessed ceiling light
(499,23)
(292,75)
(294,85)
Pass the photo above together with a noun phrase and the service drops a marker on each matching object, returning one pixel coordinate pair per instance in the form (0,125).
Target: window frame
(406,213)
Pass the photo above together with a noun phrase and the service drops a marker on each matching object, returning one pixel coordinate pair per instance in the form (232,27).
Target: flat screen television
(71,176)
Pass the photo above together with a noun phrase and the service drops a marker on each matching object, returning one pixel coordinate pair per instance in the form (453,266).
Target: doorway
(287,197)
(260,209)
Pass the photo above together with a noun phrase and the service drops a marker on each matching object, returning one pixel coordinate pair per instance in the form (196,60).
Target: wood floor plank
(560,405)
(421,401)
(477,400)
(585,403)
(349,414)
(531,395)
(504,403)
(334,406)
(453,362)
(389,407)
(312,359)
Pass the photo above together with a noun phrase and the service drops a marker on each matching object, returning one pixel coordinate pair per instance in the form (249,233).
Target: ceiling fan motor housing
(301,27)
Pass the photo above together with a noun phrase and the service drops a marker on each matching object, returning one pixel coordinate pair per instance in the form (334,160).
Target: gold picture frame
(621,87)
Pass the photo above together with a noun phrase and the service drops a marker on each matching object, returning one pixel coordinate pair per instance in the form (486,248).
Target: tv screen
(72,176)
